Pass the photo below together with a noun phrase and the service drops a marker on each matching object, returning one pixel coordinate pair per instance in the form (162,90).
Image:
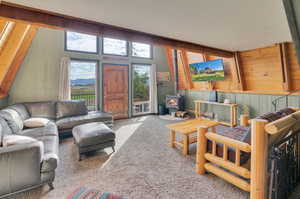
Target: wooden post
(244,120)
(185,145)
(259,152)
(201,149)
(172,138)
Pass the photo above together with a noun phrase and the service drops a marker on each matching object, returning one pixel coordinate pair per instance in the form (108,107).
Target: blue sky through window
(81,42)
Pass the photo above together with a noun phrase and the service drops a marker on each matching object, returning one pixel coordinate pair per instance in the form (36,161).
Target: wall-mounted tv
(208,71)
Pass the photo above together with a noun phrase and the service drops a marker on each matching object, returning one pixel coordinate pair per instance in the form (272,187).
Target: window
(114,47)
(81,42)
(141,50)
(141,89)
(83,82)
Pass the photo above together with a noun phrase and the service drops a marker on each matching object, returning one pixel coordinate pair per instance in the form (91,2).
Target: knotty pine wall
(261,72)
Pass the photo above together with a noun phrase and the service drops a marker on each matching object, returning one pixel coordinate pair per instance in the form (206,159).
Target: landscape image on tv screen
(208,71)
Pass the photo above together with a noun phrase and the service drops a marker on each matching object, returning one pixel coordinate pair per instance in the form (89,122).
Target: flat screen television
(208,71)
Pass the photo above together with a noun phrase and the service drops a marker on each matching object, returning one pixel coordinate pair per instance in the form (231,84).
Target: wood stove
(174,103)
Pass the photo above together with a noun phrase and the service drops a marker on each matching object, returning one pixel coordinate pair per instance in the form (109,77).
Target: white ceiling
(226,24)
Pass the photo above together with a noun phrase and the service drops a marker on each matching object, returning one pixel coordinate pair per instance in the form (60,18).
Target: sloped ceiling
(226,24)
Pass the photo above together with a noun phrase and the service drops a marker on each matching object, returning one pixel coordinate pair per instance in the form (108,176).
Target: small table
(187,128)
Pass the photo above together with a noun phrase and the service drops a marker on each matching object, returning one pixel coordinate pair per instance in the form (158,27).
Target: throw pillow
(36,122)
(13,119)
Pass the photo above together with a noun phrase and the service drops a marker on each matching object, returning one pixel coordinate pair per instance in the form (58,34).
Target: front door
(115,90)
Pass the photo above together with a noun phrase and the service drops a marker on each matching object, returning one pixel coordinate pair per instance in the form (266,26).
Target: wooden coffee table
(187,128)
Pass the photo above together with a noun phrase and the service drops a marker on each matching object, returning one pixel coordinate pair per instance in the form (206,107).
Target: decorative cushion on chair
(239,133)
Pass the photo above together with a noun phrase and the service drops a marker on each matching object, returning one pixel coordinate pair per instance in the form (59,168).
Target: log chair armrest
(229,142)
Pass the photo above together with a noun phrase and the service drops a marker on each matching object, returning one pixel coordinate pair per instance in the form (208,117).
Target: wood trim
(185,63)
(15,66)
(285,70)
(170,61)
(239,71)
(55,20)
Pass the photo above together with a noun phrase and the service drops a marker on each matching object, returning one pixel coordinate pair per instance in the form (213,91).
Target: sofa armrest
(20,167)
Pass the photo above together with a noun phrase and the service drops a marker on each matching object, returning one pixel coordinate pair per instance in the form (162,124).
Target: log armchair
(248,168)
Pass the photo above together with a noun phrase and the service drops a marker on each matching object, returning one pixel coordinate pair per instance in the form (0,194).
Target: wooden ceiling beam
(239,71)
(185,63)
(11,47)
(170,60)
(17,62)
(5,34)
(55,20)
(285,67)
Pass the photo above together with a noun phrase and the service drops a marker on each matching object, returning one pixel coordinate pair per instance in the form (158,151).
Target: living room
(100,101)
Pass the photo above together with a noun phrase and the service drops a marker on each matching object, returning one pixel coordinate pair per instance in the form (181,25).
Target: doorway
(115,90)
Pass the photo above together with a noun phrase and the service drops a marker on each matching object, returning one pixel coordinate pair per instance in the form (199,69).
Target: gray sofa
(29,165)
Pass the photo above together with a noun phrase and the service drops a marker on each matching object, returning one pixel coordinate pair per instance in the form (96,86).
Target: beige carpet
(143,167)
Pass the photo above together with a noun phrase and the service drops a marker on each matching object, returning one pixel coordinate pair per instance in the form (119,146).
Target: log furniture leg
(259,152)
(172,138)
(185,145)
(201,149)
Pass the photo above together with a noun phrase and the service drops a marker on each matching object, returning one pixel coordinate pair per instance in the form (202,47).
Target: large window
(141,89)
(141,50)
(115,47)
(81,42)
(83,82)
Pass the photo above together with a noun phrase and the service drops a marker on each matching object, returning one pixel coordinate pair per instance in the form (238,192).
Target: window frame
(115,55)
(97,86)
(146,58)
(79,51)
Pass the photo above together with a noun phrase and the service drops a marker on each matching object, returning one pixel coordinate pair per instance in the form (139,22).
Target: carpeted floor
(143,167)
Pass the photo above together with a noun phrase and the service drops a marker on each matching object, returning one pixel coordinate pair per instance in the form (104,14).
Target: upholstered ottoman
(92,137)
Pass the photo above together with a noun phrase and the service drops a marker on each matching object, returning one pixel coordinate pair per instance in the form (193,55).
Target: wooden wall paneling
(18,60)
(11,48)
(262,69)
(185,63)
(55,20)
(170,60)
(285,67)
(293,66)
(238,71)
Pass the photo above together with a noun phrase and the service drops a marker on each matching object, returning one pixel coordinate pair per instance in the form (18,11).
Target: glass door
(141,100)
(83,82)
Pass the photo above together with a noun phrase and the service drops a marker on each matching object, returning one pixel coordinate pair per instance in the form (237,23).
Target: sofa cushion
(42,109)
(35,122)
(13,119)
(49,130)
(6,130)
(1,136)
(21,109)
(70,108)
(95,116)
